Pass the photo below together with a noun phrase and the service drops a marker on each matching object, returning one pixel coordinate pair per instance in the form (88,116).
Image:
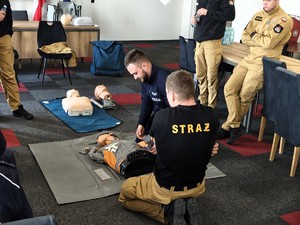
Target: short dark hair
(135,56)
(181,83)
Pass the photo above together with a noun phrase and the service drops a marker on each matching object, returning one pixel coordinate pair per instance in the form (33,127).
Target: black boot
(175,212)
(235,133)
(21,112)
(193,211)
(222,134)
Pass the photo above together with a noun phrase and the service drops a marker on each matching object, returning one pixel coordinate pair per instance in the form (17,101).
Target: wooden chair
(287,113)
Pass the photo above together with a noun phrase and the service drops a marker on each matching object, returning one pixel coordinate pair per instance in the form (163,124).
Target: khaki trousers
(7,73)
(143,194)
(208,56)
(240,90)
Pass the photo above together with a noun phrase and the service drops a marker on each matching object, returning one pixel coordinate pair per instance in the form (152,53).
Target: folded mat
(100,120)
(71,175)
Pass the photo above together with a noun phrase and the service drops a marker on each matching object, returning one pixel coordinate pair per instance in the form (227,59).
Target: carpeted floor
(255,191)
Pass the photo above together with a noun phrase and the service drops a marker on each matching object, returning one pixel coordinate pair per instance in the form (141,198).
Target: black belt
(181,188)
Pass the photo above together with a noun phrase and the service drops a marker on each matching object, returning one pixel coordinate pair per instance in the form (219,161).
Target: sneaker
(235,133)
(21,112)
(176,212)
(222,134)
(193,211)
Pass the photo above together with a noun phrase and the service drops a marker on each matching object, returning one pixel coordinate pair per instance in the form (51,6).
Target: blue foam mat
(100,120)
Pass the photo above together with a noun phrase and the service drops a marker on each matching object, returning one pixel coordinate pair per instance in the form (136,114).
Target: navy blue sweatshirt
(154,95)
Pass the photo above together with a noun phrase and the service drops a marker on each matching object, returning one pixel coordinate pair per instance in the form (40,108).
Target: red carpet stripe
(171,66)
(87,59)
(11,138)
(22,88)
(55,71)
(143,45)
(292,218)
(127,99)
(247,145)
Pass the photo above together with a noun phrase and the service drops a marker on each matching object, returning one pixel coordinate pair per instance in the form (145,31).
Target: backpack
(186,52)
(108,58)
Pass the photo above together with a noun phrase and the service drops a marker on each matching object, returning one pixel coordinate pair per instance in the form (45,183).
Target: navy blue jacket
(13,202)
(154,95)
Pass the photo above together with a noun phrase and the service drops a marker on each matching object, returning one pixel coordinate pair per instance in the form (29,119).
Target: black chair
(287,113)
(270,89)
(19,15)
(48,34)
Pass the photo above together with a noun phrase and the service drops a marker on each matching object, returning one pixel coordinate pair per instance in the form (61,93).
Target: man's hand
(193,21)
(215,149)
(153,147)
(140,131)
(2,15)
(202,12)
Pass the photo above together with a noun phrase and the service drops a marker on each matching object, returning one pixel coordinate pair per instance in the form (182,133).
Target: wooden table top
(235,52)
(33,26)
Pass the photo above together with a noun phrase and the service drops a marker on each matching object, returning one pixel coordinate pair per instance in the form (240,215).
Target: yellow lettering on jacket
(190,128)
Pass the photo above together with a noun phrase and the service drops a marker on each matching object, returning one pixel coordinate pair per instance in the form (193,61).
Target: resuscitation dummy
(103,98)
(75,105)
(125,157)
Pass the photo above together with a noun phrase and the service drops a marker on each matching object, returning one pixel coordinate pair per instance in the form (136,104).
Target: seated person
(13,202)
(184,137)
(76,105)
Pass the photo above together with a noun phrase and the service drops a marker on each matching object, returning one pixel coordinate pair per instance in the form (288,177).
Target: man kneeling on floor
(183,140)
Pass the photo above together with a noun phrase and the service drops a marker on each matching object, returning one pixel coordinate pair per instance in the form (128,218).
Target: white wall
(151,20)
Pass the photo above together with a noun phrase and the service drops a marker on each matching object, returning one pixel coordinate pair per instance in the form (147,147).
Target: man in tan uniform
(7,72)
(210,22)
(266,34)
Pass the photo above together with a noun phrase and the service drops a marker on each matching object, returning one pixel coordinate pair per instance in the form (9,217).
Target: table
(235,52)
(78,37)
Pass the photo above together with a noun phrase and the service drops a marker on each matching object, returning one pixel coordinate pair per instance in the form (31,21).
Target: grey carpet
(71,175)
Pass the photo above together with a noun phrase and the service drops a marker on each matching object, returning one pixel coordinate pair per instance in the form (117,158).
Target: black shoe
(235,133)
(21,112)
(176,212)
(222,134)
(193,211)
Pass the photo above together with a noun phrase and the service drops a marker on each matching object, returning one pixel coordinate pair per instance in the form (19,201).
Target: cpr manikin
(76,105)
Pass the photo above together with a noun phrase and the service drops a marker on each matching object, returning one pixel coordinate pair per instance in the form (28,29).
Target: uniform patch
(283,19)
(278,28)
(258,18)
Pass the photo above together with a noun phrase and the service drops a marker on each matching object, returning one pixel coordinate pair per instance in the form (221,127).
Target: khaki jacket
(266,34)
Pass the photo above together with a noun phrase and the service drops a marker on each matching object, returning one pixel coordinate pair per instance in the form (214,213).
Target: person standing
(183,138)
(266,34)
(7,72)
(153,83)
(209,26)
